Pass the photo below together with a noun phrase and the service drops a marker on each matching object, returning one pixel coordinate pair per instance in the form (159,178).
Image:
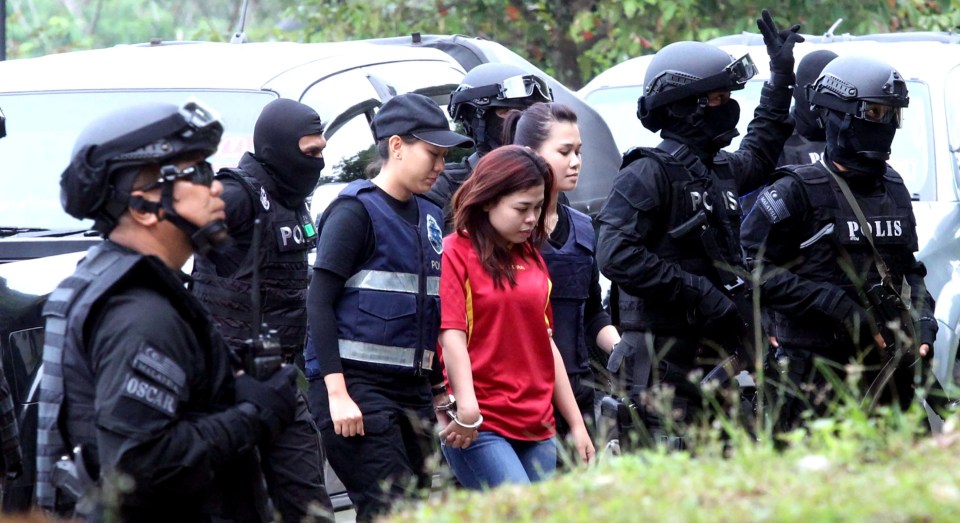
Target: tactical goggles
(198,174)
(824,95)
(524,87)
(198,118)
(672,86)
(879,113)
(194,123)
(513,88)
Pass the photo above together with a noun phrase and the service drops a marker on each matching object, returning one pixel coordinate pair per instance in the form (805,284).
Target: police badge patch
(434,234)
(772,205)
(264,199)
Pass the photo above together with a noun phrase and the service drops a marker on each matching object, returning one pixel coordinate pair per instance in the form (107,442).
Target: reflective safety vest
(834,232)
(571,269)
(388,316)
(287,235)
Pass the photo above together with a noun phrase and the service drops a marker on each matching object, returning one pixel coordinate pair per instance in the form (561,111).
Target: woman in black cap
(374,310)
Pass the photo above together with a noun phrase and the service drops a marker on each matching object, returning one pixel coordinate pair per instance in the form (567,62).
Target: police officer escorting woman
(137,382)
(826,260)
(551,130)
(669,231)
(374,310)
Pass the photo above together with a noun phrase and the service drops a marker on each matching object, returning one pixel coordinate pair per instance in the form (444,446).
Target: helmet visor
(524,86)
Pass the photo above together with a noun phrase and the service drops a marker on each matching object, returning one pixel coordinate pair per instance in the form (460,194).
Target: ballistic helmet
(685,70)
(111,151)
(495,85)
(860,99)
(858,86)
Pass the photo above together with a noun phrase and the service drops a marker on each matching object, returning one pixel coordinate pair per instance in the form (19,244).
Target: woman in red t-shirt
(495,328)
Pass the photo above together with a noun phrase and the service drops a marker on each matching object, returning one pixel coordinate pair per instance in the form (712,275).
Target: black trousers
(387,463)
(293,467)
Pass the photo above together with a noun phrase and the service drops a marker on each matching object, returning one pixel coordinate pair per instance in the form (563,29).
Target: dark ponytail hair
(501,172)
(531,127)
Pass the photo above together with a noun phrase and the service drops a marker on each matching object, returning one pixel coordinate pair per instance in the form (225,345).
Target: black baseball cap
(418,116)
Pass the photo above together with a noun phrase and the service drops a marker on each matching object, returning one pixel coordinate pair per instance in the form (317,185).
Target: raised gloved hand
(275,397)
(779,47)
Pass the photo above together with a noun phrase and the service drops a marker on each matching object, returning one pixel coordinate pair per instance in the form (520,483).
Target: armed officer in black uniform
(272,184)
(822,278)
(485,96)
(136,381)
(669,231)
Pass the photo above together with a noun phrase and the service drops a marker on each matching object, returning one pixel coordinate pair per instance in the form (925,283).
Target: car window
(912,151)
(952,85)
(350,149)
(618,107)
(42,129)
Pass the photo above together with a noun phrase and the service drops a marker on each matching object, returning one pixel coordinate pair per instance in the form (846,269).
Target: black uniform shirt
(164,404)
(635,211)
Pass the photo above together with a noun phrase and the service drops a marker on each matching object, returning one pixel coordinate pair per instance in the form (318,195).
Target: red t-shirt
(508,339)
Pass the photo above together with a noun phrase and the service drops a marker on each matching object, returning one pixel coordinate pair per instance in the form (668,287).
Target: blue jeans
(493,460)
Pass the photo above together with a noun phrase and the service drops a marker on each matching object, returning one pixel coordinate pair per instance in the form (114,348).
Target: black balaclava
(808,71)
(862,147)
(705,129)
(276,144)
(487,131)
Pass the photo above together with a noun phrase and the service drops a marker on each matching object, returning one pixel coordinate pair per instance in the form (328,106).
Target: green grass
(858,469)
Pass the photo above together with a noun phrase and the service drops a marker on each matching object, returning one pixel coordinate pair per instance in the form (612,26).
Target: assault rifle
(262,354)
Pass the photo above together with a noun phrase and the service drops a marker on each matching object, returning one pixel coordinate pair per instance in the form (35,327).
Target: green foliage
(38,27)
(572,40)
(848,468)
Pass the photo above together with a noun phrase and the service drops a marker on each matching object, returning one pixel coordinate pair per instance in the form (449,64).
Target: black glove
(712,309)
(857,322)
(275,397)
(779,48)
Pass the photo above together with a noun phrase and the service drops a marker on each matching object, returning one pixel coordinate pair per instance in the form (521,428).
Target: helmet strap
(203,239)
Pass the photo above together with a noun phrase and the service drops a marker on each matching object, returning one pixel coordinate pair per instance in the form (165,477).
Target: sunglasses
(199,174)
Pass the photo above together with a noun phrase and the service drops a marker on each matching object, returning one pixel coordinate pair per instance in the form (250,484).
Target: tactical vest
(287,235)
(834,233)
(388,316)
(571,269)
(65,312)
(699,230)
(66,421)
(800,151)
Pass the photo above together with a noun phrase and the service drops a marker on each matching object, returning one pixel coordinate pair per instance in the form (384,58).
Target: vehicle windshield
(42,129)
(912,154)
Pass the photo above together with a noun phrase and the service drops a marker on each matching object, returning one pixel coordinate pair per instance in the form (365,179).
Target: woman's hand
(455,436)
(584,443)
(345,414)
